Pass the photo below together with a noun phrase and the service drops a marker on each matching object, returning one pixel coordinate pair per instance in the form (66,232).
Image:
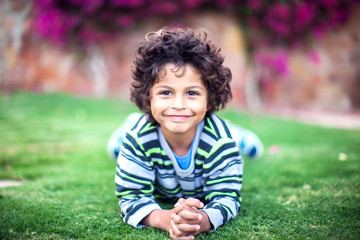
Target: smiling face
(178,101)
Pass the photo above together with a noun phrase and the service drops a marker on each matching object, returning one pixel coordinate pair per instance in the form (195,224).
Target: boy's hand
(188,221)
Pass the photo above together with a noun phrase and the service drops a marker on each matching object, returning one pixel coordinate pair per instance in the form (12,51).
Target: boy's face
(178,100)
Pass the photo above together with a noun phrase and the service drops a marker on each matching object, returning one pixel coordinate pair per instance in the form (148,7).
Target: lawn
(56,146)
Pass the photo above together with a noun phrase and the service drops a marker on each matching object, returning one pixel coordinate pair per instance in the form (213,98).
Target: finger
(179,202)
(179,208)
(176,233)
(172,236)
(190,215)
(179,220)
(187,229)
(191,237)
(184,207)
(193,202)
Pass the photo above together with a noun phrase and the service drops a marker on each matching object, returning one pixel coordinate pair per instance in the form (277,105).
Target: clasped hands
(187,220)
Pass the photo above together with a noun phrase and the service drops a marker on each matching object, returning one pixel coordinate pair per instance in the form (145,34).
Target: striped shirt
(147,168)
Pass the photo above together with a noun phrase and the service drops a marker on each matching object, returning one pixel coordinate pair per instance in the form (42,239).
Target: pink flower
(44,3)
(319,30)
(193,3)
(328,3)
(224,3)
(124,20)
(280,64)
(90,7)
(338,16)
(314,57)
(278,19)
(164,7)
(255,4)
(304,15)
(277,62)
(127,3)
(51,24)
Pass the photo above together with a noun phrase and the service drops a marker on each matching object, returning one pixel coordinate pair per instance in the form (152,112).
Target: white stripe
(206,138)
(220,126)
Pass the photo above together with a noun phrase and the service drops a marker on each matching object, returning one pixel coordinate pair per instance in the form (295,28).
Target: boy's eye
(192,93)
(165,93)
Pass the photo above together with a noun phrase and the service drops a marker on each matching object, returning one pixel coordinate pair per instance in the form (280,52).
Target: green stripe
(193,192)
(228,211)
(135,137)
(206,166)
(219,144)
(202,153)
(176,190)
(159,151)
(148,127)
(211,128)
(198,162)
(126,194)
(223,206)
(211,195)
(122,193)
(147,192)
(210,182)
(161,162)
(155,150)
(138,181)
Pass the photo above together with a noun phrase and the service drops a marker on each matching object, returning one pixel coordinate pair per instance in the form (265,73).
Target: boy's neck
(180,143)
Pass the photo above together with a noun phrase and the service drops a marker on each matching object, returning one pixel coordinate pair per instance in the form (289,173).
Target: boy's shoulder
(143,127)
(216,127)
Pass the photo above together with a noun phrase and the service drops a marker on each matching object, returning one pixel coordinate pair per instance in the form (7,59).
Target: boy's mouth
(178,118)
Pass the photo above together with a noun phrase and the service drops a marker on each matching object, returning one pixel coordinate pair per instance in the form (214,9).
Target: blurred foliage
(83,22)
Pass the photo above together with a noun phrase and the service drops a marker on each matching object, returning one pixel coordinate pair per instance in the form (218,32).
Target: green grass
(56,145)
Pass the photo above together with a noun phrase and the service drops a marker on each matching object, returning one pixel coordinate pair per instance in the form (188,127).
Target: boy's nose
(178,103)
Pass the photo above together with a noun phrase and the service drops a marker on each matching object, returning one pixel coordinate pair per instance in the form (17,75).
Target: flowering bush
(86,21)
(292,21)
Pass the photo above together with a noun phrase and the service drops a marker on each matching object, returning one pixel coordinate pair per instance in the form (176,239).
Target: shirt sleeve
(223,169)
(134,181)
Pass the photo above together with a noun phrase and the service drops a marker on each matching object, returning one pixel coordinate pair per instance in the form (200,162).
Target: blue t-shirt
(184,162)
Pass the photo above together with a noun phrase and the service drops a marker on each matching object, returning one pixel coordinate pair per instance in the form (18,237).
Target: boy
(179,149)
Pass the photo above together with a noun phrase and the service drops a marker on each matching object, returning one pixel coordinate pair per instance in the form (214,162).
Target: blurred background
(287,57)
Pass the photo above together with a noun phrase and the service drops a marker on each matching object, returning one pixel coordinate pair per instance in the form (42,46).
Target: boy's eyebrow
(195,86)
(189,87)
(163,86)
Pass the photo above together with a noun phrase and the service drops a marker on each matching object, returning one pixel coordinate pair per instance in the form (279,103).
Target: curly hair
(179,47)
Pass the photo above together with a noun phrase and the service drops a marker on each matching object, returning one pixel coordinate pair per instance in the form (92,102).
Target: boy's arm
(159,218)
(136,200)
(223,171)
(134,182)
